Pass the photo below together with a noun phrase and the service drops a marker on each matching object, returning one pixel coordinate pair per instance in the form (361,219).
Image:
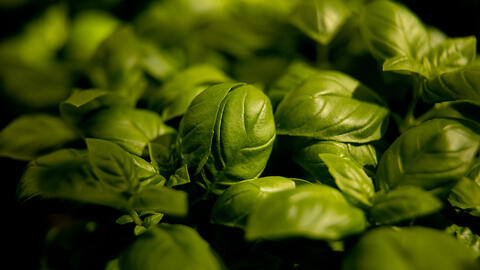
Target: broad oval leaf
(198,124)
(451,54)
(409,248)
(66,174)
(169,247)
(459,84)
(88,30)
(31,136)
(295,74)
(390,29)
(350,178)
(117,65)
(435,153)
(463,110)
(403,203)
(131,128)
(112,165)
(82,102)
(311,211)
(466,196)
(162,199)
(332,106)
(308,156)
(244,135)
(237,202)
(320,19)
(231,126)
(173,99)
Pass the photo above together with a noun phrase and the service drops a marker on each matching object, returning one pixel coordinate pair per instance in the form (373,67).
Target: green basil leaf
(320,19)
(436,36)
(112,265)
(169,247)
(403,203)
(295,74)
(452,54)
(409,248)
(237,202)
(180,177)
(466,196)
(438,152)
(308,156)
(463,110)
(66,174)
(152,220)
(390,30)
(198,124)
(34,88)
(161,199)
(458,84)
(311,211)
(474,172)
(173,99)
(125,219)
(243,137)
(82,102)
(112,165)
(118,65)
(41,38)
(31,136)
(132,129)
(162,153)
(405,65)
(351,179)
(465,236)
(332,106)
(156,62)
(88,30)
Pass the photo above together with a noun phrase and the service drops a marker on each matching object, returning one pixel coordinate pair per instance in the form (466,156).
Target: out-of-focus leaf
(409,248)
(39,42)
(320,19)
(82,102)
(169,247)
(34,88)
(31,136)
(175,96)
(89,29)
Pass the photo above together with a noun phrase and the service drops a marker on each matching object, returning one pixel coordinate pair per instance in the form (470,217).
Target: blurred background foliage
(48,48)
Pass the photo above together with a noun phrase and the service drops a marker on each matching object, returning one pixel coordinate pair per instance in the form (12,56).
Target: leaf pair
(277,207)
(397,37)
(106,175)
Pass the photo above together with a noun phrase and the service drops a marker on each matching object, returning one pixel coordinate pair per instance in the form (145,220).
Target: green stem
(135,217)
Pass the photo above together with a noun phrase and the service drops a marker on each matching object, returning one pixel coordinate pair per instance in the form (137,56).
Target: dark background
(26,224)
